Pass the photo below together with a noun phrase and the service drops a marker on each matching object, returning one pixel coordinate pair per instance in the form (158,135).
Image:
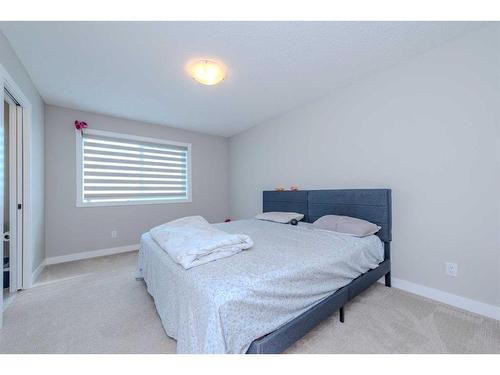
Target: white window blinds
(124,169)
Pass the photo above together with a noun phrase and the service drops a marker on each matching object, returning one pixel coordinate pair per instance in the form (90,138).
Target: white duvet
(192,241)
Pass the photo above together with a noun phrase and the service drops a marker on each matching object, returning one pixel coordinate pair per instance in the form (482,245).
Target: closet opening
(11,145)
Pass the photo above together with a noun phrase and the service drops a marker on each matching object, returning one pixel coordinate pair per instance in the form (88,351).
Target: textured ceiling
(136,69)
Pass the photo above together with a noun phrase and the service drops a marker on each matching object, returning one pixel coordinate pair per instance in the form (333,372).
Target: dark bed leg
(341,314)
(388,279)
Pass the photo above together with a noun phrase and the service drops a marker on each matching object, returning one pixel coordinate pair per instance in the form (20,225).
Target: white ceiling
(136,69)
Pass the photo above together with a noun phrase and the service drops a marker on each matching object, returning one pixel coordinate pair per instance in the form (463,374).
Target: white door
(11,184)
(13,190)
(15,180)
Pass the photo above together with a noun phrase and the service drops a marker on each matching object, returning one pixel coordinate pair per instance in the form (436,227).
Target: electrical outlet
(452,269)
(114,234)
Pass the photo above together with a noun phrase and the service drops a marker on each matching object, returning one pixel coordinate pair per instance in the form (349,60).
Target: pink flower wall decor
(80,125)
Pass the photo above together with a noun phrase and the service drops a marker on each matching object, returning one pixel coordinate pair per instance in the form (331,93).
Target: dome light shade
(207,72)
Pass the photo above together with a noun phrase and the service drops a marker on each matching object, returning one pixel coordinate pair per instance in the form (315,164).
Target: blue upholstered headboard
(373,205)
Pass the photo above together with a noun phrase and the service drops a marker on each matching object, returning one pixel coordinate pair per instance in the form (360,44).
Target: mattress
(222,306)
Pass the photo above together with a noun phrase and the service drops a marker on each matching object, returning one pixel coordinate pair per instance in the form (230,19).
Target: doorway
(11,154)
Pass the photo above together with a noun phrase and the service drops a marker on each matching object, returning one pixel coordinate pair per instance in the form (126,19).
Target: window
(119,169)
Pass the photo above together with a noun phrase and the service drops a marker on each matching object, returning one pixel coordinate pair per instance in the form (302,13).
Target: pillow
(280,217)
(346,224)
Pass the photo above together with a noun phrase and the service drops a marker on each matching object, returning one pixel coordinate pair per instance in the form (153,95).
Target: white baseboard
(38,271)
(91,254)
(471,305)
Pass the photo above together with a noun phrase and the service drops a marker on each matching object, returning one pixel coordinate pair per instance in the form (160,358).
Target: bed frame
(373,205)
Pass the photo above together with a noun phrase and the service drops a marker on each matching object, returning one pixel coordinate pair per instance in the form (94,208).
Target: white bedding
(222,306)
(192,241)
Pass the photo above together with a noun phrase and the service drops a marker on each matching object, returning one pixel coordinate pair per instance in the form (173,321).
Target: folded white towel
(192,241)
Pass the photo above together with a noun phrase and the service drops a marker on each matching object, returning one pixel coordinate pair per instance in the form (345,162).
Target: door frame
(15,191)
(8,84)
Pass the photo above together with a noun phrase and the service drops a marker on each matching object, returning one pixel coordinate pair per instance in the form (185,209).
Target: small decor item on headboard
(227,220)
(294,188)
(80,125)
(279,188)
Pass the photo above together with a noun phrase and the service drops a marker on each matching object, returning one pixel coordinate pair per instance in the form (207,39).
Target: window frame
(79,169)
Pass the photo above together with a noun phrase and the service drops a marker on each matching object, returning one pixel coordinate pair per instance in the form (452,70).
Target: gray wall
(428,129)
(16,70)
(71,229)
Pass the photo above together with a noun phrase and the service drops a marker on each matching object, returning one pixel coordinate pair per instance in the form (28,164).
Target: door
(13,191)
(11,195)
(14,211)
(18,168)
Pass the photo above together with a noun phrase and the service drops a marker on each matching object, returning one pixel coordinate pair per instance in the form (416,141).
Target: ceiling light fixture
(207,72)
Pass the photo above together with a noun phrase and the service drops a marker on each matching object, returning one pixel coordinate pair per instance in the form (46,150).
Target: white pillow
(280,217)
(346,224)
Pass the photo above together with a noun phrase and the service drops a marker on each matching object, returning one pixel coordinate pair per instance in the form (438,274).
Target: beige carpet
(97,306)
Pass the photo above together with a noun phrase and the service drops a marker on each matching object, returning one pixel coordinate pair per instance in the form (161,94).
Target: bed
(266,298)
